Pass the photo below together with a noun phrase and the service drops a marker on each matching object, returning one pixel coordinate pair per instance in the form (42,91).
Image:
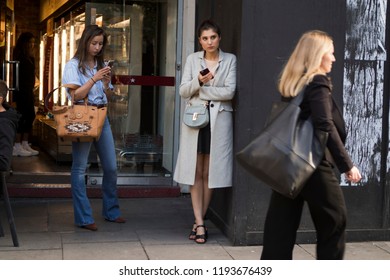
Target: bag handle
(297,100)
(205,104)
(63,109)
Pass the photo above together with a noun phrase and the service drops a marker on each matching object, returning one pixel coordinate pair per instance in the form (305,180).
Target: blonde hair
(304,62)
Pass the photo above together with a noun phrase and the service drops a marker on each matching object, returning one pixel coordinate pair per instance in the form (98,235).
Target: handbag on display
(77,122)
(196,116)
(288,150)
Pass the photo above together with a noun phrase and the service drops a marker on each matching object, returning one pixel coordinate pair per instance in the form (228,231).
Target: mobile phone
(109,63)
(204,71)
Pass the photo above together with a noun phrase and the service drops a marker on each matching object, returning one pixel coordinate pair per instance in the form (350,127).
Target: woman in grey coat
(205,159)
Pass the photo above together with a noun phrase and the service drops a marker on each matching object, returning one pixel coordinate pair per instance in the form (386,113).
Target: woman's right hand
(103,73)
(353,175)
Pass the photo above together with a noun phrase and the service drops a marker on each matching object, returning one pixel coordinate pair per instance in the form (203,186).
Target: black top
(8,124)
(319,103)
(25,93)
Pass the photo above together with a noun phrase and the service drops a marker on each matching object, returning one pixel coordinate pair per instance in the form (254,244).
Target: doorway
(142,50)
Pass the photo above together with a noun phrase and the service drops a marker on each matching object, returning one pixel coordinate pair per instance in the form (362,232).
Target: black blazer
(319,103)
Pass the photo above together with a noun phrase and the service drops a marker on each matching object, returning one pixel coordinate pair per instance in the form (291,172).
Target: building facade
(148,43)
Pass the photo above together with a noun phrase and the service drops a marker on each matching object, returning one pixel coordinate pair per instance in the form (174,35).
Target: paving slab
(365,251)
(34,241)
(244,252)
(191,251)
(156,229)
(163,236)
(32,255)
(383,245)
(104,251)
(99,236)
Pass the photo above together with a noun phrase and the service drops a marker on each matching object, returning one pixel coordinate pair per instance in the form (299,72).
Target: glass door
(142,47)
(7,66)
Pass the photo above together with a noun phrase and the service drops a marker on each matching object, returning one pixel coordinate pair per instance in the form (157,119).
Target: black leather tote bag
(287,151)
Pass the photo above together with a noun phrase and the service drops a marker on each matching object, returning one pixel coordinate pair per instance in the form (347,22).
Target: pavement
(156,229)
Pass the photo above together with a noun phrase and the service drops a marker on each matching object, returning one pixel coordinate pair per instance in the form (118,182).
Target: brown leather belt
(97,105)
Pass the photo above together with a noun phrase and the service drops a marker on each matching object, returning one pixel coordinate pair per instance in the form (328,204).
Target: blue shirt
(72,75)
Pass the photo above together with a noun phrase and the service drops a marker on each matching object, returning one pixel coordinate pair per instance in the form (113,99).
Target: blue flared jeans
(105,149)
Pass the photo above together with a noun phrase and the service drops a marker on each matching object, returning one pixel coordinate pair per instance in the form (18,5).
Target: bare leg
(207,193)
(197,191)
(201,194)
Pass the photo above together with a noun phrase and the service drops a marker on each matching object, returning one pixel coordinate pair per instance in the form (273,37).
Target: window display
(142,56)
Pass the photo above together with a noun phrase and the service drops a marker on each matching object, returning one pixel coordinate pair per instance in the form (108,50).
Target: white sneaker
(27,148)
(18,151)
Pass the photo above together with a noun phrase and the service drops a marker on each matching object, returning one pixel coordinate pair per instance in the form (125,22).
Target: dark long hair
(209,24)
(22,47)
(89,33)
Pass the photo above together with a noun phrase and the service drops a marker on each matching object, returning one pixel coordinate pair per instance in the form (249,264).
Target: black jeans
(326,203)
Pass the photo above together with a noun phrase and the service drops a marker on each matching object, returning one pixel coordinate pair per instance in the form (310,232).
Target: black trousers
(27,112)
(326,203)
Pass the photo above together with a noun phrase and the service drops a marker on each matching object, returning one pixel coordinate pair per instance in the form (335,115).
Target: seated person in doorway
(8,124)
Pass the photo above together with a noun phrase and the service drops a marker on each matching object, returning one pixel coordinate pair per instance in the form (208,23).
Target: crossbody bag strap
(297,100)
(188,102)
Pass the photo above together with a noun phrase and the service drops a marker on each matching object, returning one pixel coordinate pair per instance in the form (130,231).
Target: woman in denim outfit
(86,75)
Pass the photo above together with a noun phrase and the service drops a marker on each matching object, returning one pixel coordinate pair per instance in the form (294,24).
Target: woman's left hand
(353,175)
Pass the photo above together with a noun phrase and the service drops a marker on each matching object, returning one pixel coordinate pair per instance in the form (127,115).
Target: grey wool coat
(220,91)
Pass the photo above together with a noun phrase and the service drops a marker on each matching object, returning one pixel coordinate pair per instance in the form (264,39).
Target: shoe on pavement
(18,151)
(92,227)
(119,220)
(27,147)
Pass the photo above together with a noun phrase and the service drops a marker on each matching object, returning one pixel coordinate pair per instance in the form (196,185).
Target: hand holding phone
(204,71)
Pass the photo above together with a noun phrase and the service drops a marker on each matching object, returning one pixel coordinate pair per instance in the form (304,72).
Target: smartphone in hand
(109,62)
(204,71)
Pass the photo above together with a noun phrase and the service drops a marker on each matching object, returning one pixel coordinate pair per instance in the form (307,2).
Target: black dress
(204,138)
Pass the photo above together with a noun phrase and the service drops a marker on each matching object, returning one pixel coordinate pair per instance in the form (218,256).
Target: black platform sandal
(201,236)
(192,235)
